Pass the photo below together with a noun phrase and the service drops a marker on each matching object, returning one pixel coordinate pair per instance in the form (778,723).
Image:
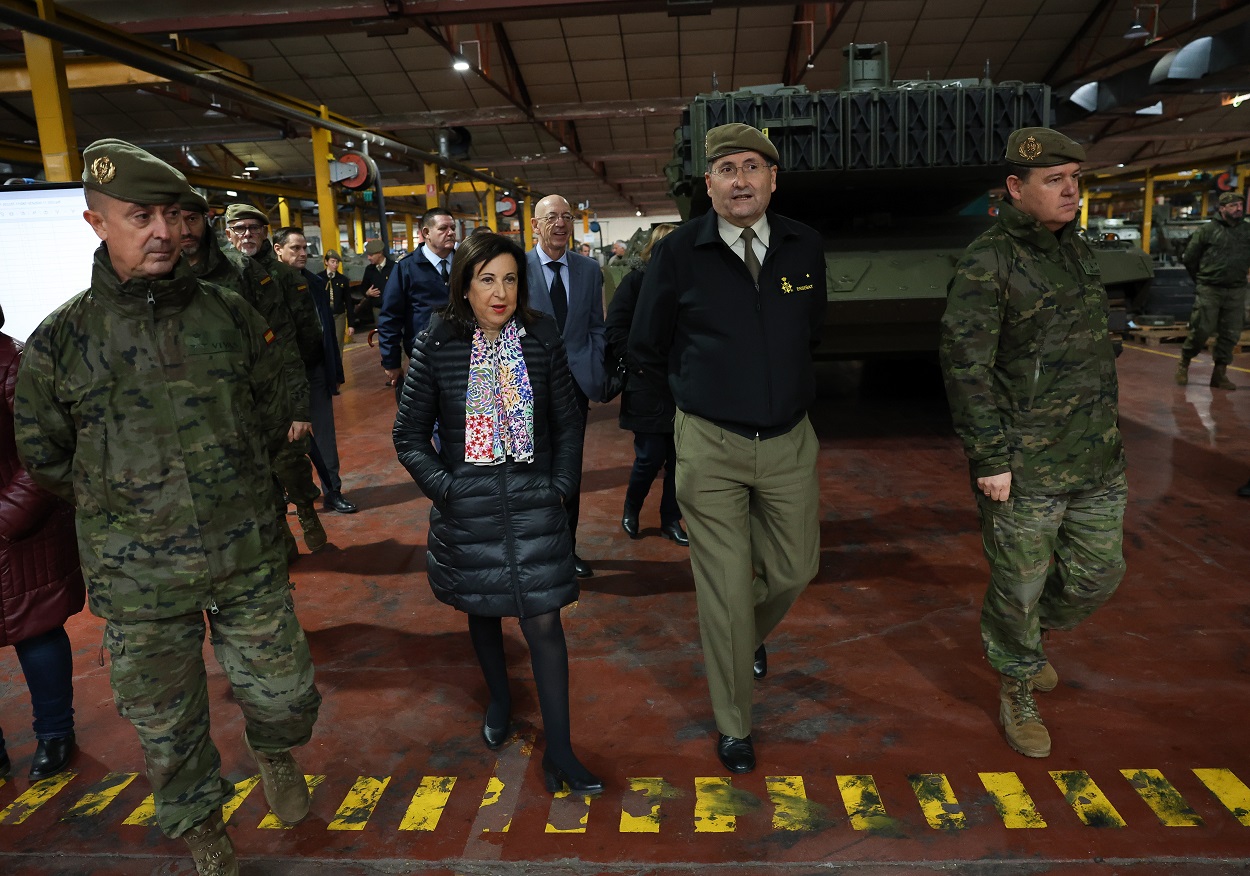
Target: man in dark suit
(417,287)
(376,276)
(569,287)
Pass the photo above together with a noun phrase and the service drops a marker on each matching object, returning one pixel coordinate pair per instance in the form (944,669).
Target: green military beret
(737,137)
(373,247)
(1042,147)
(332,254)
(1232,198)
(124,171)
(245,211)
(193,201)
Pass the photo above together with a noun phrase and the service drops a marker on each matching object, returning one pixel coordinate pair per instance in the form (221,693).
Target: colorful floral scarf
(499,405)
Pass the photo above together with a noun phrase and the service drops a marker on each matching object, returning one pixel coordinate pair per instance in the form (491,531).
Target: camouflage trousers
(160,686)
(1219,311)
(293,470)
(1053,560)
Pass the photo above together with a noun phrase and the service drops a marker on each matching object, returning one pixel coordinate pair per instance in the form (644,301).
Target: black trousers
(654,451)
(573,502)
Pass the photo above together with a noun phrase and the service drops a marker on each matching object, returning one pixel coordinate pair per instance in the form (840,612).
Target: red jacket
(40,581)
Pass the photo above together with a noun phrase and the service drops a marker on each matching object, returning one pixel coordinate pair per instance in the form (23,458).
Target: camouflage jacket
(1028,361)
(1219,253)
(153,406)
(294,289)
(232,270)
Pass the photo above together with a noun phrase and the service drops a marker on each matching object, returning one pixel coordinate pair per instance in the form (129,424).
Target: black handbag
(616,373)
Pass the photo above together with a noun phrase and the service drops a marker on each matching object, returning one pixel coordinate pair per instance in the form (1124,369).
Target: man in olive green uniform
(246,227)
(1217,257)
(152,401)
(1030,375)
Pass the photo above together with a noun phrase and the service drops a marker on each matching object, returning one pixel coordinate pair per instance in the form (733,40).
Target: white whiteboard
(46,248)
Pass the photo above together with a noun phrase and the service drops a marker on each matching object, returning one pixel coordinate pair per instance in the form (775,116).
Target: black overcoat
(645,406)
(499,543)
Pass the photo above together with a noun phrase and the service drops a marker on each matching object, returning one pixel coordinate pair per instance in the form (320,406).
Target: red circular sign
(361,178)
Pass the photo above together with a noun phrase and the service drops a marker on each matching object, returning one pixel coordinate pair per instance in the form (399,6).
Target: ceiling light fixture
(461,63)
(1137,30)
(811,42)
(214,110)
(232,193)
(251,167)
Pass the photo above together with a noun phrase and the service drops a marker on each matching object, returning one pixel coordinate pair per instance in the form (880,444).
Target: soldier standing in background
(1217,258)
(152,401)
(246,226)
(1030,375)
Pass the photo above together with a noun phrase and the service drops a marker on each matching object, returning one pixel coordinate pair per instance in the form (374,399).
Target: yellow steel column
(492,217)
(527,231)
(297,218)
(1084,206)
(1242,171)
(1206,205)
(327,210)
(431,187)
(54,116)
(412,244)
(284,213)
(359,225)
(1147,216)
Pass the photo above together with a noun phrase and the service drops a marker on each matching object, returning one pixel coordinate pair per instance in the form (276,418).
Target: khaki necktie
(752,260)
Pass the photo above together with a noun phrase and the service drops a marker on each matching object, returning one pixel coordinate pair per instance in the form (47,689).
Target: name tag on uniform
(212,343)
(1091,267)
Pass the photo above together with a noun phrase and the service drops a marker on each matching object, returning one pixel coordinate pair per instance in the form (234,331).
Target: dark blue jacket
(333,360)
(414,291)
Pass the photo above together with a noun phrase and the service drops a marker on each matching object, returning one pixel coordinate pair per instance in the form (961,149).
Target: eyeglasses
(552,218)
(245,230)
(730,171)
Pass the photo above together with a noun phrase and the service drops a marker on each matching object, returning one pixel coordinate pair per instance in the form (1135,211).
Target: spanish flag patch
(269,336)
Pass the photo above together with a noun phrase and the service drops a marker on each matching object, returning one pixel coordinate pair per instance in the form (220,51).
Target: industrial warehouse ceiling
(582,98)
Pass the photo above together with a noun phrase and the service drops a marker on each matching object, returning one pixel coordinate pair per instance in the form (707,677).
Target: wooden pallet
(1156,335)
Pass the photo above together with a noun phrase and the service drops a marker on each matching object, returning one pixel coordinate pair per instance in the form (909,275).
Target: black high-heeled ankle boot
(579,782)
(495,736)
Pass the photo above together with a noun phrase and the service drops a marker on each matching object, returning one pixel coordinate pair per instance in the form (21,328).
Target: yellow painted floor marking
(272,822)
(714,809)
(937,801)
(428,803)
(241,790)
(1086,799)
(863,804)
(640,810)
(144,814)
(490,797)
(569,812)
(35,796)
(100,796)
(1229,790)
(358,805)
(1015,806)
(1163,798)
(791,808)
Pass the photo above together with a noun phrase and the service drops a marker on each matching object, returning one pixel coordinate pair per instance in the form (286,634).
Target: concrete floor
(876,729)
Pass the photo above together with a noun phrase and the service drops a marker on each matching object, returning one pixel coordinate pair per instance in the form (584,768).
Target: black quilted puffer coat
(499,543)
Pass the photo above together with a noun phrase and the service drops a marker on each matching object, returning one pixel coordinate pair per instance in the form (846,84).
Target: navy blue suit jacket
(583,330)
(414,291)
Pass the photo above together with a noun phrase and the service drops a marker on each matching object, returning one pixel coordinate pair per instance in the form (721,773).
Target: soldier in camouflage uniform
(1217,257)
(152,402)
(208,260)
(1030,375)
(246,227)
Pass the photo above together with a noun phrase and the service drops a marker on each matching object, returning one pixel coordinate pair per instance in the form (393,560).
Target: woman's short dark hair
(475,250)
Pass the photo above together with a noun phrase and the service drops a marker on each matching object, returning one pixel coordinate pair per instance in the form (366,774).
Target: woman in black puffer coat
(499,543)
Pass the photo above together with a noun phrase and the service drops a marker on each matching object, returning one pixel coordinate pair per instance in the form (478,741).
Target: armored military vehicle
(896,176)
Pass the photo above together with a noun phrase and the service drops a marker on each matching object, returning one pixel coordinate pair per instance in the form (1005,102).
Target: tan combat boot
(1182,372)
(211,848)
(314,533)
(1023,725)
(1046,679)
(285,788)
(1219,379)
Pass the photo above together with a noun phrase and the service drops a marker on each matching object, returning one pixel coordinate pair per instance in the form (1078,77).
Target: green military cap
(245,211)
(332,254)
(1042,147)
(124,171)
(193,201)
(737,137)
(374,247)
(1232,198)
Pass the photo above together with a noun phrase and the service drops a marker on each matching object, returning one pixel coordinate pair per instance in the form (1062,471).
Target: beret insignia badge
(103,170)
(1030,149)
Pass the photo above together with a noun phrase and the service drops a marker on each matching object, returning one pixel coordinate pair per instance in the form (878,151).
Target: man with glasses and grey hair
(569,286)
(729,311)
